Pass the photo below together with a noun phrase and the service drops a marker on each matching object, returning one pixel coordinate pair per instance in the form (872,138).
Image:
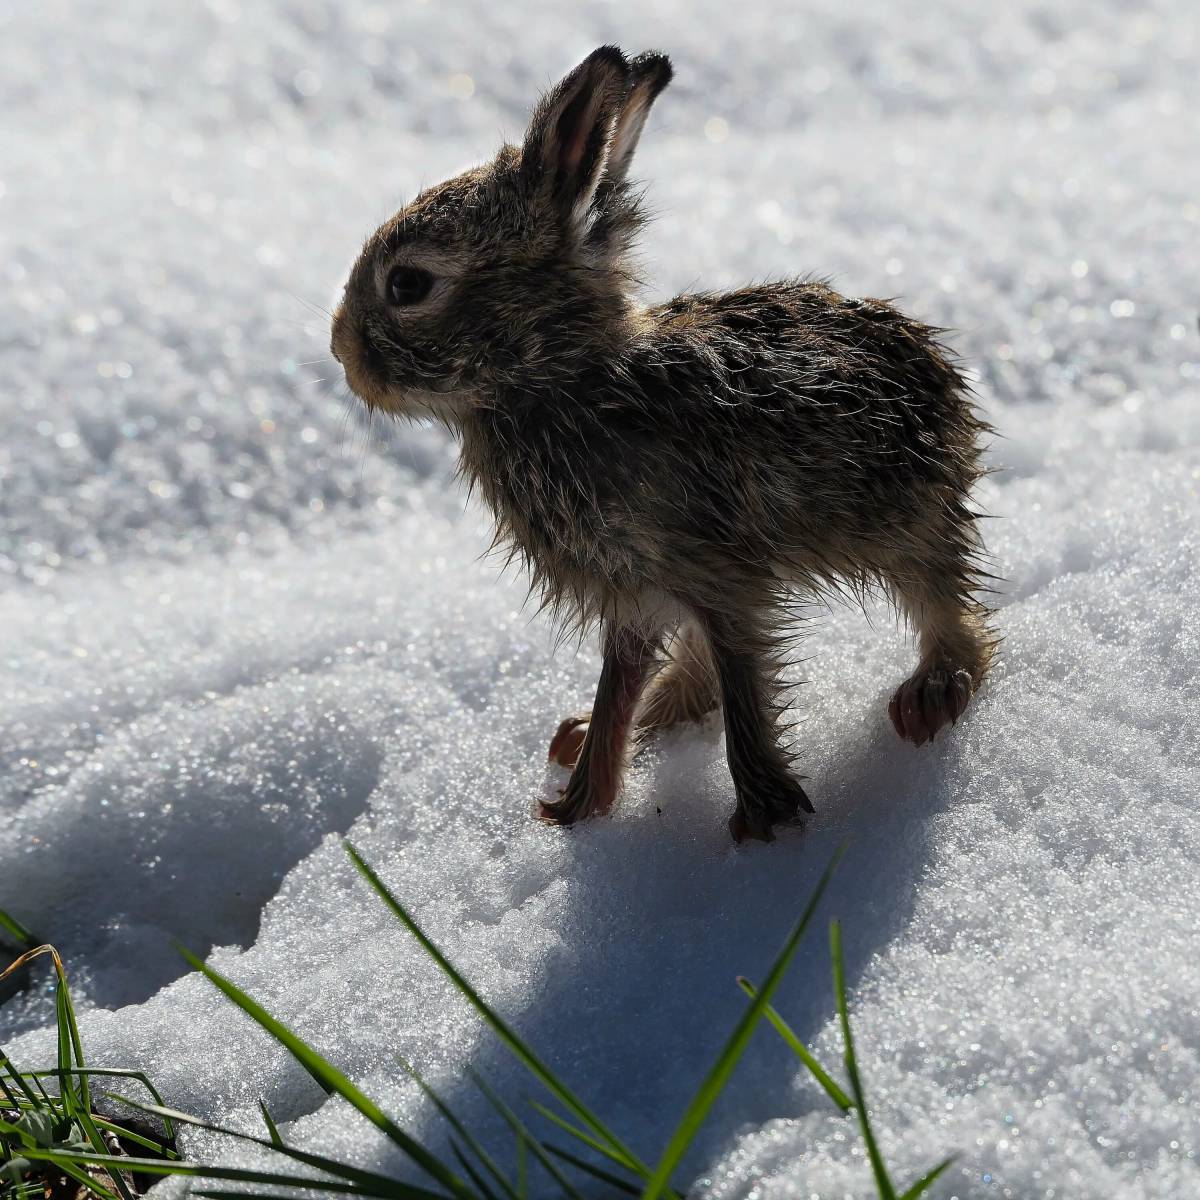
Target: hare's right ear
(571,132)
(649,73)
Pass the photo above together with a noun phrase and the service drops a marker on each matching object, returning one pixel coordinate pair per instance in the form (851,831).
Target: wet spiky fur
(689,466)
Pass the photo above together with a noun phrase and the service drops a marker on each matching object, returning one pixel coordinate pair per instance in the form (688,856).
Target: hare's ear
(571,132)
(649,73)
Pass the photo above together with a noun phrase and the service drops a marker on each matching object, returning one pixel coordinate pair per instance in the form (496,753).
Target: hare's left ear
(571,133)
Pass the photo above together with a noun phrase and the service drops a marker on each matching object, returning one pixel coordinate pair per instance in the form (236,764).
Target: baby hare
(674,473)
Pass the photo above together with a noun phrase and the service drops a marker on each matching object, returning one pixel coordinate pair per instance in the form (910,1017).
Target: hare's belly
(600,566)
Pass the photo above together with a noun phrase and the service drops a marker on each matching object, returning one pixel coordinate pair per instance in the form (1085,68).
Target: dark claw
(743,827)
(960,695)
(910,711)
(580,799)
(776,807)
(933,702)
(566,810)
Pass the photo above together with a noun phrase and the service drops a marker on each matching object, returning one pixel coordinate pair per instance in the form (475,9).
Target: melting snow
(237,625)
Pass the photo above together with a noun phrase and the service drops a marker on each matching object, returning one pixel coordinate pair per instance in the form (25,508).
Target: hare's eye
(408,285)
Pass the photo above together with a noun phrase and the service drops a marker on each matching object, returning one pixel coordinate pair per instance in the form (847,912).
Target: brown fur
(689,466)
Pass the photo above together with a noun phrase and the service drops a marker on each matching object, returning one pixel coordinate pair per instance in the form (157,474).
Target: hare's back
(797,366)
(789,405)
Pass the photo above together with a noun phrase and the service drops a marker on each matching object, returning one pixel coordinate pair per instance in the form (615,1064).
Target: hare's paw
(929,701)
(567,741)
(579,800)
(757,813)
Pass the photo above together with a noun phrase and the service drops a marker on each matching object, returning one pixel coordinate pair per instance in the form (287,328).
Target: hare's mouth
(363,365)
(368,388)
(445,404)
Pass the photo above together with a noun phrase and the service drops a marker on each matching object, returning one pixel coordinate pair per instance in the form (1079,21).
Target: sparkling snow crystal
(236,624)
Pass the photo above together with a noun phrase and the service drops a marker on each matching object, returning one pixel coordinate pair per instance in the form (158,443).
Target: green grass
(600,1161)
(18,932)
(40,1128)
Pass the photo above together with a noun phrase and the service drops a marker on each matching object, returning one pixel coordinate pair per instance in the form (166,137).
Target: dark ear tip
(654,67)
(607,56)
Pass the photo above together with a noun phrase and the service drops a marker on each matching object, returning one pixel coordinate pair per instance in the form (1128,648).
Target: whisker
(317,308)
(369,437)
(307,324)
(344,427)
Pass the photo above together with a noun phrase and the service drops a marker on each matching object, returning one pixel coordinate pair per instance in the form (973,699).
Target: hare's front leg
(747,667)
(596,779)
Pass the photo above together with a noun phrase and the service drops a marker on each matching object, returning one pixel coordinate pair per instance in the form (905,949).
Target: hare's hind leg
(567,741)
(686,688)
(594,783)
(745,657)
(956,648)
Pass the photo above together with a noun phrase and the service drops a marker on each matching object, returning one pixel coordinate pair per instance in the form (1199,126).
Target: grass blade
(69,1031)
(272,1128)
(882,1182)
(66,1085)
(157,1166)
(218,1194)
(368,1181)
(802,1052)
(480,1153)
(927,1180)
(92,1186)
(332,1080)
(129,1135)
(718,1076)
(101,1146)
(522,1168)
(527,1139)
(614,1181)
(501,1028)
(585,1138)
(17,931)
(70,1055)
(471,1170)
(48,1101)
(117,1073)
(6,1064)
(75,1103)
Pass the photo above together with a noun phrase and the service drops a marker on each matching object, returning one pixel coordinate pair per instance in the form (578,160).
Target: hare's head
(512,272)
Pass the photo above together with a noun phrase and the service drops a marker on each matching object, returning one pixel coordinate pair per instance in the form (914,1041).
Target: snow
(237,625)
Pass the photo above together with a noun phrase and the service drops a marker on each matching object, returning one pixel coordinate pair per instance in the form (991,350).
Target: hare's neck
(523,460)
(481,449)
(514,445)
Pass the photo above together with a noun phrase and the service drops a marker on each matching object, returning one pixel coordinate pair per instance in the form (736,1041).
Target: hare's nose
(333,351)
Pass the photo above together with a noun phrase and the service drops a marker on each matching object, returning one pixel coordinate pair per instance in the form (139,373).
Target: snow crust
(236,624)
